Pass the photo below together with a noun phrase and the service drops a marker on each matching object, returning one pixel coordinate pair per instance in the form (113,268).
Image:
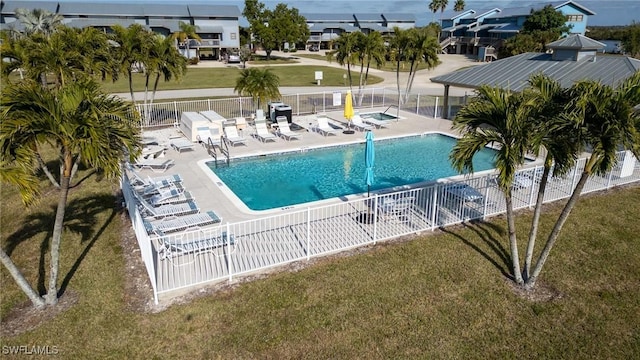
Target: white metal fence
(169,113)
(185,259)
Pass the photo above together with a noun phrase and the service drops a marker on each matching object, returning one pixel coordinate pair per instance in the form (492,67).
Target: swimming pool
(379,116)
(283,180)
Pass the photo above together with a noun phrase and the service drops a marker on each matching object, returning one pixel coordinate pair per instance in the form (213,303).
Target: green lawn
(195,78)
(387,66)
(441,295)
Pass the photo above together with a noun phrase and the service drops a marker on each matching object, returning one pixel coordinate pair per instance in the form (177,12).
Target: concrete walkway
(422,83)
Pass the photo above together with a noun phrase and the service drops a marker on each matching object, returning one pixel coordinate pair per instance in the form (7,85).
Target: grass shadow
(496,254)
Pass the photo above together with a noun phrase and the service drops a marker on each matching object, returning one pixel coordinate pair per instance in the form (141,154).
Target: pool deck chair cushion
(231,134)
(200,241)
(179,223)
(285,131)
(323,126)
(182,144)
(155,165)
(356,122)
(262,133)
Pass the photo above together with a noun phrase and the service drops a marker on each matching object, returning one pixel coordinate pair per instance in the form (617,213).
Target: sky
(608,12)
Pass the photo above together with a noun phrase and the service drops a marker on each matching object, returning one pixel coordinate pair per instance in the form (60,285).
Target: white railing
(169,113)
(183,260)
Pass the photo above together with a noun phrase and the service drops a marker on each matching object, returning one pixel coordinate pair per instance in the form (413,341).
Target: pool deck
(212,195)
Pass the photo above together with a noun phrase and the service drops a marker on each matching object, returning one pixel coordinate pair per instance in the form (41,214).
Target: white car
(233,58)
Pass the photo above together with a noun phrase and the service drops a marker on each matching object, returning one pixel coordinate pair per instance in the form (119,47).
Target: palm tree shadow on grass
(81,217)
(487,232)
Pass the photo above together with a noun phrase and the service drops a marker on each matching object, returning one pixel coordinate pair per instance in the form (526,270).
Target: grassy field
(195,78)
(440,295)
(388,66)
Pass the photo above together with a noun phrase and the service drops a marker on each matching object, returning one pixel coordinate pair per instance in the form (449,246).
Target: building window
(574,18)
(233,36)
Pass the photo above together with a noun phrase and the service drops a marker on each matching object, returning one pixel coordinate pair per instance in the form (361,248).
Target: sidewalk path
(422,82)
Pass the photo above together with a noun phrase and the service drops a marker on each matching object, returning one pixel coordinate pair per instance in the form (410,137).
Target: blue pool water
(287,179)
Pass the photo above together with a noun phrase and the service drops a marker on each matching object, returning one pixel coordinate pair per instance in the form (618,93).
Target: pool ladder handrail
(212,150)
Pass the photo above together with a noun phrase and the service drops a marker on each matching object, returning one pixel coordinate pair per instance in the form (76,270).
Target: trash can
(284,110)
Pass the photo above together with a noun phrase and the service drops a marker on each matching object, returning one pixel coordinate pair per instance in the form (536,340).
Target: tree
(459,5)
(631,40)
(605,120)
(38,21)
(541,27)
(131,51)
(371,48)
(434,6)
(289,26)
(83,125)
(398,46)
(347,52)
(499,117)
(423,47)
(273,28)
(261,84)
(187,33)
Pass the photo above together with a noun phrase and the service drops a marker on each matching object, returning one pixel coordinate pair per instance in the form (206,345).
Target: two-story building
(217,25)
(326,28)
(477,32)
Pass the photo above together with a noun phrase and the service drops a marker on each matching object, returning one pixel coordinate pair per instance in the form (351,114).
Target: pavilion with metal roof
(573,58)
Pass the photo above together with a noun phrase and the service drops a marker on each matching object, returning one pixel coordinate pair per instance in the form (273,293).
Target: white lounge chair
(356,122)
(260,115)
(464,192)
(178,223)
(263,133)
(323,126)
(169,196)
(209,135)
(369,120)
(181,144)
(159,181)
(285,131)
(231,134)
(200,241)
(148,210)
(155,165)
(392,208)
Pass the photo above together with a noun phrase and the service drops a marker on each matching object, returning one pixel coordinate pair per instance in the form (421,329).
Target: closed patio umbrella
(369,159)
(348,106)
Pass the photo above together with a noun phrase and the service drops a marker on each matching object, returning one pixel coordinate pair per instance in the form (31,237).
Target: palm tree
(131,50)
(82,124)
(347,53)
(459,5)
(371,49)
(165,61)
(499,117)
(434,6)
(422,47)
(555,136)
(186,33)
(38,21)
(261,84)
(605,119)
(398,47)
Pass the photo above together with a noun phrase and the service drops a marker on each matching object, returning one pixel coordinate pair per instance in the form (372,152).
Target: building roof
(507,28)
(217,10)
(335,17)
(526,10)
(319,27)
(393,17)
(375,27)
(171,25)
(514,72)
(369,17)
(576,42)
(9,7)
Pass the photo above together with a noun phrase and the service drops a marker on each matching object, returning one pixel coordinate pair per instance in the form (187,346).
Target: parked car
(233,58)
(314,48)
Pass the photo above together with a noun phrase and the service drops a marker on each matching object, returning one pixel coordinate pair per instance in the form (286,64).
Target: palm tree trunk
(553,237)
(513,242)
(130,75)
(52,292)
(36,300)
(533,233)
(46,170)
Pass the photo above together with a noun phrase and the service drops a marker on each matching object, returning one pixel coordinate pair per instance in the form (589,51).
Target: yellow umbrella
(348,106)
